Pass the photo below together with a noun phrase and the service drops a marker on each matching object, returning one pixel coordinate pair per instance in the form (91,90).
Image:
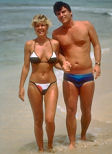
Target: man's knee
(38,122)
(86,112)
(71,112)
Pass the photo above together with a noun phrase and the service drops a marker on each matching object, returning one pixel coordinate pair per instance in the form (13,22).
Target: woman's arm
(25,69)
(61,64)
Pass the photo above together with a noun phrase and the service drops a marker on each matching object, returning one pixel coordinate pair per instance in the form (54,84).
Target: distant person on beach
(42,52)
(75,38)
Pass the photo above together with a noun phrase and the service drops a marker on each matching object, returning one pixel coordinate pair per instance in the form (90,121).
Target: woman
(42,52)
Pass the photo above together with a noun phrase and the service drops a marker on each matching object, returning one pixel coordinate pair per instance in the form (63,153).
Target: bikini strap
(50,44)
(34,45)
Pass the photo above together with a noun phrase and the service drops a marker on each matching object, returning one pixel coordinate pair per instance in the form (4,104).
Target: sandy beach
(16,121)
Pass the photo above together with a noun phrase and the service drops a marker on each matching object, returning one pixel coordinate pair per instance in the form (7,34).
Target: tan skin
(41,73)
(75,38)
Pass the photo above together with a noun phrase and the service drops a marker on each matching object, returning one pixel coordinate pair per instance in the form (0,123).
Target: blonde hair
(40,18)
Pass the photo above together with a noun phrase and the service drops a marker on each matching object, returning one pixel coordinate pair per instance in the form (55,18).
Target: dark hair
(58,5)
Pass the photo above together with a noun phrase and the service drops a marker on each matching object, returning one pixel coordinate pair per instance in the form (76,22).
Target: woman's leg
(51,97)
(36,101)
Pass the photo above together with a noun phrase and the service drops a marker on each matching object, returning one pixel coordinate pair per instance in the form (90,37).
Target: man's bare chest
(70,39)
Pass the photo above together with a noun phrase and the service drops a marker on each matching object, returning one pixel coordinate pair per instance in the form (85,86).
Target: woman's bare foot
(51,150)
(72,146)
(40,151)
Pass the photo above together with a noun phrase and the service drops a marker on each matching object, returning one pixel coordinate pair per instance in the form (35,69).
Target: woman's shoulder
(29,45)
(54,42)
(29,42)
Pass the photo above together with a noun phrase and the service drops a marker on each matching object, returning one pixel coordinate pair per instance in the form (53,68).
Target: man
(75,38)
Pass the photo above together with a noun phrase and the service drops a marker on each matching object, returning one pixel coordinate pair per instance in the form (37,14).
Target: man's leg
(86,97)
(70,93)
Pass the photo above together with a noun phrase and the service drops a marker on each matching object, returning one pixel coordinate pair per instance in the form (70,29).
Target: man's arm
(97,50)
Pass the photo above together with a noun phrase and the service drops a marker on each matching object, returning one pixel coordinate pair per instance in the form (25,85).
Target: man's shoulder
(85,22)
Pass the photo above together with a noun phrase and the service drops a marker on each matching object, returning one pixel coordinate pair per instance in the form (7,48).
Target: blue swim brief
(78,79)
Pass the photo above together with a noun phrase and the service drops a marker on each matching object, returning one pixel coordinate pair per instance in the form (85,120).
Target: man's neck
(68,24)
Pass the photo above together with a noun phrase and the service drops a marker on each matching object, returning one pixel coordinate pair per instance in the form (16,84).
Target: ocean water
(16,17)
(15,30)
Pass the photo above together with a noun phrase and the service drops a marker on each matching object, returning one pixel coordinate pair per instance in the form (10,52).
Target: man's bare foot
(83,138)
